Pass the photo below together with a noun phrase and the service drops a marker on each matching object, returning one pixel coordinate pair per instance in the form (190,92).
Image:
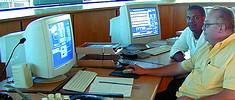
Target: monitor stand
(137,47)
(134,51)
(49,80)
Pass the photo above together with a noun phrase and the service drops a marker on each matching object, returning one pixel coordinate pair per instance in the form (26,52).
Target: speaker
(22,76)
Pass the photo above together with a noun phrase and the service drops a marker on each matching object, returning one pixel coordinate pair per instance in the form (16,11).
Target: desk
(145,88)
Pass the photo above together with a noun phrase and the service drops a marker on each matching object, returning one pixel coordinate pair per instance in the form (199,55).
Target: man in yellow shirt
(212,67)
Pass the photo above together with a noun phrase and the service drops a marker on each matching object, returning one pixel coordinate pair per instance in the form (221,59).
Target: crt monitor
(49,46)
(138,23)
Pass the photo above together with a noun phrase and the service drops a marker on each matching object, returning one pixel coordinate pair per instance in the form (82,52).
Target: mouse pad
(118,72)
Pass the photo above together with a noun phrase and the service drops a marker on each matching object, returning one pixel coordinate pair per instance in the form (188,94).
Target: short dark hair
(197,7)
(226,15)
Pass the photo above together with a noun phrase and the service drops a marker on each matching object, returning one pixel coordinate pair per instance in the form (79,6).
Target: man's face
(213,28)
(195,20)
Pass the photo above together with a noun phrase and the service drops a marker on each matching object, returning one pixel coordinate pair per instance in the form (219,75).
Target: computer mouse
(5,96)
(128,71)
(86,97)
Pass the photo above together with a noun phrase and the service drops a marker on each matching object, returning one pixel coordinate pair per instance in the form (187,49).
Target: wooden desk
(145,87)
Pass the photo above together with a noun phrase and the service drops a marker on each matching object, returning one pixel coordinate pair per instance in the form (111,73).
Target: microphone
(22,40)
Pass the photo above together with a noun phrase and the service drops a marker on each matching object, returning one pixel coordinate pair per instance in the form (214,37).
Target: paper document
(112,85)
(148,64)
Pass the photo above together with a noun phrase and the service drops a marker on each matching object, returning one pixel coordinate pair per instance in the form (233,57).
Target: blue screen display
(144,21)
(61,42)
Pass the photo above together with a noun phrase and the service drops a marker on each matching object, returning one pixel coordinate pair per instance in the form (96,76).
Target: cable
(116,95)
(22,95)
(22,40)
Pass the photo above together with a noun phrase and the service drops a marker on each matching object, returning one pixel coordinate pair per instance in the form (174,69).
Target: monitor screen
(144,21)
(61,42)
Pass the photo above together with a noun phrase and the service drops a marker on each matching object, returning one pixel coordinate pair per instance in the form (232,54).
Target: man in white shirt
(189,38)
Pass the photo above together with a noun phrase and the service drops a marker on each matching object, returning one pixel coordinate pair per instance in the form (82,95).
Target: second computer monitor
(138,23)
(49,47)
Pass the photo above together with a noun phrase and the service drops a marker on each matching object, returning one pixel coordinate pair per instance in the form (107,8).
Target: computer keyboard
(80,81)
(143,64)
(158,50)
(126,61)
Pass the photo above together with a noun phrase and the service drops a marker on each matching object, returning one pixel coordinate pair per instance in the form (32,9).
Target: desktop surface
(145,85)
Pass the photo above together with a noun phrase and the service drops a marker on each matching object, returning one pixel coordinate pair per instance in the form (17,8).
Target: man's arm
(180,46)
(225,94)
(168,70)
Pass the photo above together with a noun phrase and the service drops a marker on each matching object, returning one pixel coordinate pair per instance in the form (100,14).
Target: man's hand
(178,57)
(185,98)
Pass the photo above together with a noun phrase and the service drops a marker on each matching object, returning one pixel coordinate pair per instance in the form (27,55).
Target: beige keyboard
(158,50)
(80,81)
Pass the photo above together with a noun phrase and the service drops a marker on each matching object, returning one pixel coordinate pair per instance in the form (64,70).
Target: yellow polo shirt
(212,69)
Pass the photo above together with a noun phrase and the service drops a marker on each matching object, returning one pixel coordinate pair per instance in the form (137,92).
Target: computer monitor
(7,43)
(138,23)
(49,46)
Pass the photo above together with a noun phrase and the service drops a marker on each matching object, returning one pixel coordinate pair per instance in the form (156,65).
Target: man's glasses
(206,25)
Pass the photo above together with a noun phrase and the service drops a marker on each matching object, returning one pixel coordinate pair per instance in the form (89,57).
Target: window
(4,4)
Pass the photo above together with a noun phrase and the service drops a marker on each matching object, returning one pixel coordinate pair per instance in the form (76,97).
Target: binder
(98,54)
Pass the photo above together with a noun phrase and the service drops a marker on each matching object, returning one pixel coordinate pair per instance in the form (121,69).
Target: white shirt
(186,42)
